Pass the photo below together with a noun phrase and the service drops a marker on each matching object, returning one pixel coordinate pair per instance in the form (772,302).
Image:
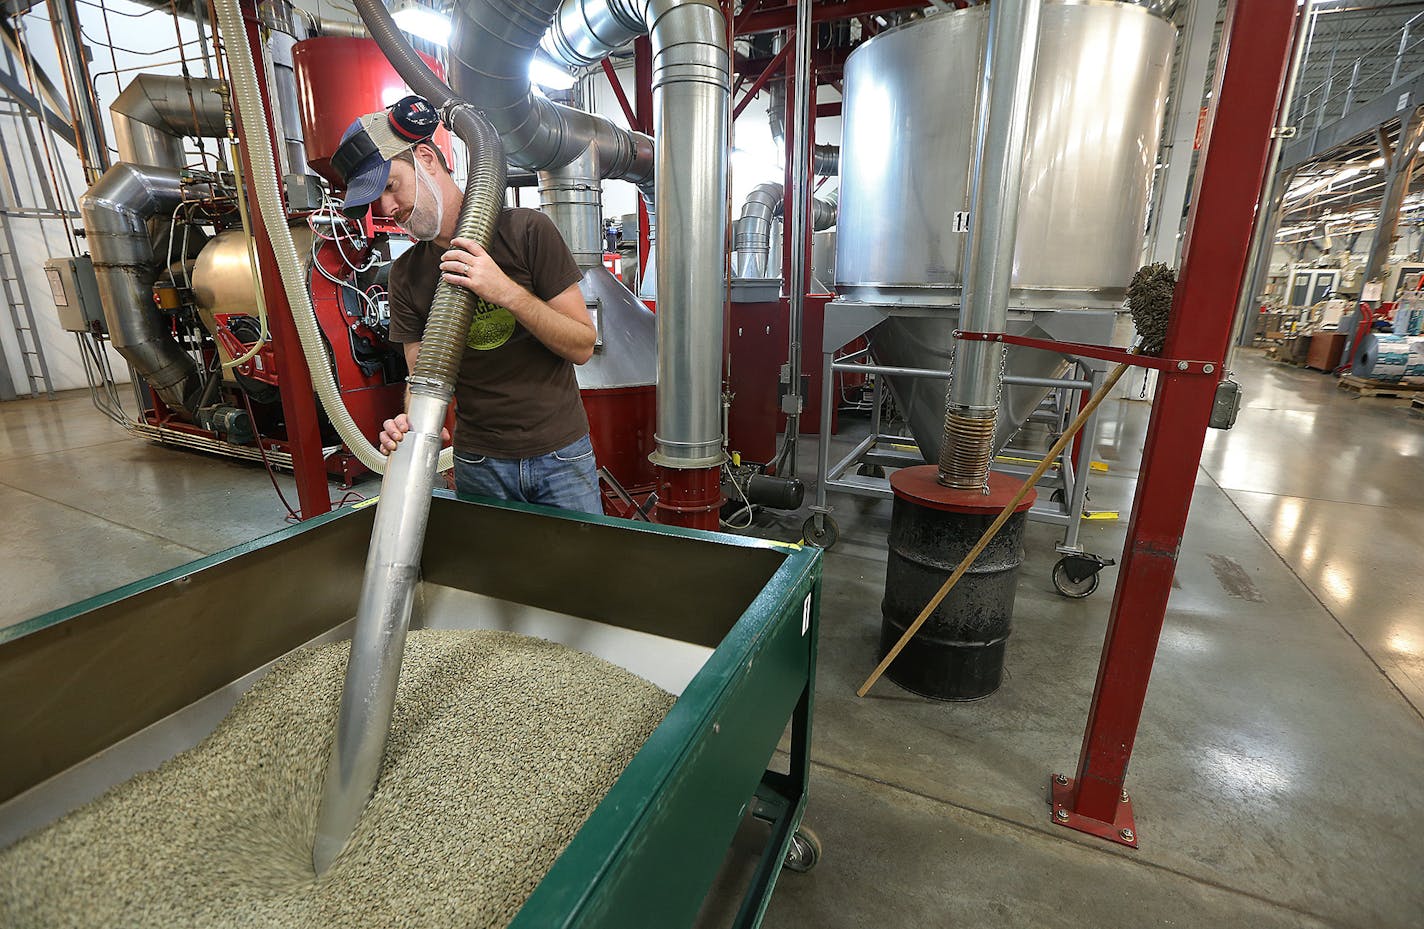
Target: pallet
(1368,388)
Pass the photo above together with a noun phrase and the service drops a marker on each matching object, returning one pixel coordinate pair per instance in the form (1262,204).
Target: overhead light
(422,21)
(546,73)
(1378,162)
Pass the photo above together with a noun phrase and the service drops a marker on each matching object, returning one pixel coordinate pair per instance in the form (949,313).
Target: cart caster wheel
(804,851)
(1056,497)
(823,538)
(870,470)
(1076,576)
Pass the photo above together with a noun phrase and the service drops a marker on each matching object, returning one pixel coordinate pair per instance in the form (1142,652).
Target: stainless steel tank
(224,280)
(1095,117)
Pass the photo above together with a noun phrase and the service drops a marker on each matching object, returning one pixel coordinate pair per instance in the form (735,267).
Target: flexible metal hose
(398,535)
(443,344)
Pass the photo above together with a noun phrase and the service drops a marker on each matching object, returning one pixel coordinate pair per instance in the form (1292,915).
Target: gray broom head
(1149,298)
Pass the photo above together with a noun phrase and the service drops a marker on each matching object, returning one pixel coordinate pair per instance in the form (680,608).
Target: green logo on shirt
(490,327)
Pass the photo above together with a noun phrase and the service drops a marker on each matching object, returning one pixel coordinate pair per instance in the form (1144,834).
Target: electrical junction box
(1226,404)
(76,293)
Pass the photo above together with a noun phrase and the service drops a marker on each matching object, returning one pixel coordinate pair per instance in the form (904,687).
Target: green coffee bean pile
(500,747)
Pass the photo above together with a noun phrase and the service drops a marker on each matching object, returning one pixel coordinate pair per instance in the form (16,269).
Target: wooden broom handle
(993,530)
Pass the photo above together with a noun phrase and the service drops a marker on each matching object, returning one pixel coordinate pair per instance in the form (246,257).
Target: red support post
(617,86)
(298,397)
(1255,50)
(643,111)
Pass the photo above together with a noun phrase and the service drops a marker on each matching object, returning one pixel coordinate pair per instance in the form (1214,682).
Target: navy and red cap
(364,156)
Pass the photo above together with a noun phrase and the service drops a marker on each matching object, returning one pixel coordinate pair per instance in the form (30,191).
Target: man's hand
(470,266)
(393,430)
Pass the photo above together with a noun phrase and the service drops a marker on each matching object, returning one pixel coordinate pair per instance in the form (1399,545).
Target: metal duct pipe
(1000,131)
(753,228)
(825,159)
(691,93)
(572,196)
(342,28)
(116,211)
(156,111)
(490,50)
(89,128)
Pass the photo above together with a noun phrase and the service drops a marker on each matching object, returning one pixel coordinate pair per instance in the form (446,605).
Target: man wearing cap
(520,430)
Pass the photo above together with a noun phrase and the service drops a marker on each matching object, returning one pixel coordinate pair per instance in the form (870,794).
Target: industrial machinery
(178,286)
(1093,124)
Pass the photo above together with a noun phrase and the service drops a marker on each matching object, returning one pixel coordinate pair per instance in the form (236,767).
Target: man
(521,432)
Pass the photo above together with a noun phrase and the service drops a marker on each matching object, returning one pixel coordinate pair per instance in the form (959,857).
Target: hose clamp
(429,386)
(448,111)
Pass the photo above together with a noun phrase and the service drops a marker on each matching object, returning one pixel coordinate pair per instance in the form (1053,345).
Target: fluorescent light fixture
(1378,162)
(547,74)
(423,22)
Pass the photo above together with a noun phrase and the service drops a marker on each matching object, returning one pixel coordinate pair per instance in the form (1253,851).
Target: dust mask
(427,214)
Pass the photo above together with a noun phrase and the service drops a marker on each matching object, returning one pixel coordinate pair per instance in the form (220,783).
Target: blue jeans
(567,478)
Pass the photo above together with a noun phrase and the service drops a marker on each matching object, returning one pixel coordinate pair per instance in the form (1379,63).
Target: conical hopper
(928,342)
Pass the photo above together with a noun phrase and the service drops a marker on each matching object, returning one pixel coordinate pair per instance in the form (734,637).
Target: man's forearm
(565,337)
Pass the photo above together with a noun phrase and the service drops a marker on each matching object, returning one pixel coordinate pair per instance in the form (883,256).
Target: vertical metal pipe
(1175,179)
(83,103)
(572,196)
(1354,80)
(800,197)
(692,87)
(1258,259)
(1399,55)
(1000,133)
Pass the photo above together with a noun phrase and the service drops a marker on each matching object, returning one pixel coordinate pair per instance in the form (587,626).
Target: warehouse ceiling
(1367,45)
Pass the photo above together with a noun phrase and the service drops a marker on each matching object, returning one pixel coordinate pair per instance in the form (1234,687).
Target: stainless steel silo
(1095,120)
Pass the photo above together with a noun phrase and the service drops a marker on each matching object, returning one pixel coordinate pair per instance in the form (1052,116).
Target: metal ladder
(12,282)
(22,315)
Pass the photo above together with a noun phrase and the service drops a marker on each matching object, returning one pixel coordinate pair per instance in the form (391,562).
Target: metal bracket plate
(1122,830)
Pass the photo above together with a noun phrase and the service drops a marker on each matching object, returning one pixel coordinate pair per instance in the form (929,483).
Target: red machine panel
(339,79)
(757,346)
(621,421)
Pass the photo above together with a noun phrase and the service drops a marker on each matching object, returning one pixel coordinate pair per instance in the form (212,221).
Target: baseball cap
(367,146)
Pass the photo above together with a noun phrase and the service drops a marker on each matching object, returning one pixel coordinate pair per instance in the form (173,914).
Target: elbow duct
(116,212)
(150,117)
(490,51)
(753,229)
(155,112)
(825,159)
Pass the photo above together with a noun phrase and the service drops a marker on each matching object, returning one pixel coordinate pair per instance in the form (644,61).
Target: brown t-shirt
(515,398)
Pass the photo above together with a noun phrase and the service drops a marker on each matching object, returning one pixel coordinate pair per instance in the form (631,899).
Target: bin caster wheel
(1076,576)
(870,470)
(824,537)
(803,852)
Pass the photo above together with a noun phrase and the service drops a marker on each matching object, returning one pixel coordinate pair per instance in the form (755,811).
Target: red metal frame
(628,112)
(772,67)
(1100,352)
(643,100)
(298,407)
(784,17)
(1255,48)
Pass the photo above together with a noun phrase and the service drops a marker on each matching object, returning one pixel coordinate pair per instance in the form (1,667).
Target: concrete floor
(1276,777)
